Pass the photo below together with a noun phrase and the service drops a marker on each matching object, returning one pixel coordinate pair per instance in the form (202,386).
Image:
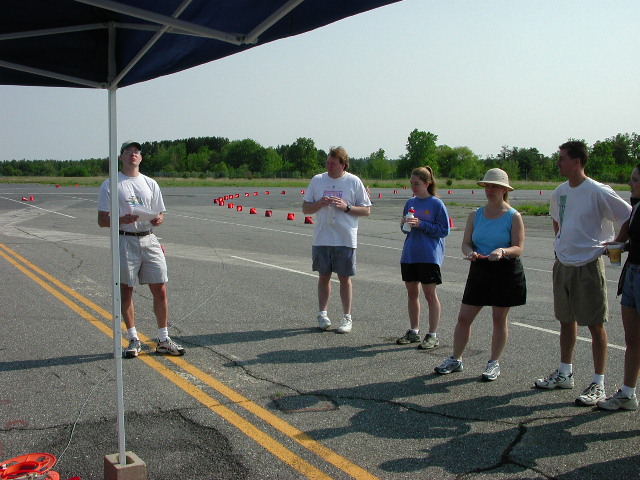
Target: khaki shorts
(580,293)
(141,260)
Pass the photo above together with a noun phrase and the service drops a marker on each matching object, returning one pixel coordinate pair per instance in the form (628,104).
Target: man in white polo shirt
(141,256)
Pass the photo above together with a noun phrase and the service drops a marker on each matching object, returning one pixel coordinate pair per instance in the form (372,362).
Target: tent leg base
(135,469)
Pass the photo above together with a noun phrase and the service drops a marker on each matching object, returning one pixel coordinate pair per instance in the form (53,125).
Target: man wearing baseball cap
(141,208)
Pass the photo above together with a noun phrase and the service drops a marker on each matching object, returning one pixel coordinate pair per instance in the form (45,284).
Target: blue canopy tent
(107,44)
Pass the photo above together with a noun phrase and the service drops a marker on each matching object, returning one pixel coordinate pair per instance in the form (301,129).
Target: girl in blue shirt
(422,254)
(493,241)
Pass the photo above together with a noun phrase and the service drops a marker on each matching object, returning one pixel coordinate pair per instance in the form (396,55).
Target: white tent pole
(115,247)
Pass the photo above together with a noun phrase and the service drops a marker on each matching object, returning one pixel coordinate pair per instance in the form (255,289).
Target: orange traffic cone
(246,194)
(31,199)
(24,199)
(231,205)
(268,213)
(239,208)
(395,191)
(253,211)
(302,192)
(380,195)
(283,192)
(267,192)
(308,220)
(291,216)
(451,224)
(450,192)
(255,193)
(237,195)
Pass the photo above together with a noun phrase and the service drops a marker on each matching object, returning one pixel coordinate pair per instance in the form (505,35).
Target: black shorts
(498,284)
(421,272)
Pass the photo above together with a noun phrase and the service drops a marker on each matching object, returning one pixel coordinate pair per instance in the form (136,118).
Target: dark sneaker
(448,366)
(591,395)
(408,337)
(170,347)
(618,402)
(555,380)
(133,349)
(429,342)
(492,372)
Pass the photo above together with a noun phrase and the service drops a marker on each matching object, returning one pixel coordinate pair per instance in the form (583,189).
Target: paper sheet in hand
(145,214)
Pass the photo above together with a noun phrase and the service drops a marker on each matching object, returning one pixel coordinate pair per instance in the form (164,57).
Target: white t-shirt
(586,215)
(344,231)
(132,191)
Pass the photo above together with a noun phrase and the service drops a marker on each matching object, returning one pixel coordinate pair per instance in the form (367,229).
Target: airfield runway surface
(262,393)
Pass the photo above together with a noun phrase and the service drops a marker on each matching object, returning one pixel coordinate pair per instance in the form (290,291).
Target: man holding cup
(584,213)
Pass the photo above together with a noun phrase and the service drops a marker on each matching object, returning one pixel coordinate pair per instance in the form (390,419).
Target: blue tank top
(491,234)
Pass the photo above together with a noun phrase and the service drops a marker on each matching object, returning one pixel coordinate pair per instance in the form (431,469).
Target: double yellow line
(74,301)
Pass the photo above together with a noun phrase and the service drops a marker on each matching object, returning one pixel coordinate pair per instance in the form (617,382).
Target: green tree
(272,163)
(458,162)
(378,165)
(302,156)
(421,149)
(245,152)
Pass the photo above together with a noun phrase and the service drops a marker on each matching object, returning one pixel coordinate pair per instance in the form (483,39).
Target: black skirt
(498,284)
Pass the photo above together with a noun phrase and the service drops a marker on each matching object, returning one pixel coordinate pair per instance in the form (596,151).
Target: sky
(482,74)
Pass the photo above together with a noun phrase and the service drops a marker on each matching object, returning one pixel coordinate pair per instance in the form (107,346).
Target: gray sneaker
(323,322)
(618,402)
(429,342)
(492,371)
(448,366)
(133,349)
(591,395)
(408,337)
(555,380)
(170,347)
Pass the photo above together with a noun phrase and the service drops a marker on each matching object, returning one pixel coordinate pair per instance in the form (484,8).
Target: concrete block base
(135,469)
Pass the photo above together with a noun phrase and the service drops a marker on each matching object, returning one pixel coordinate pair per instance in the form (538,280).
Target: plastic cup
(615,254)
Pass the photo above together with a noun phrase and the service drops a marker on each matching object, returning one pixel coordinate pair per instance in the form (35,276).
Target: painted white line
(39,208)
(584,339)
(280,268)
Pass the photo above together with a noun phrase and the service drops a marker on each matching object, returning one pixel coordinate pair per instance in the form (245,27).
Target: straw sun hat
(495,176)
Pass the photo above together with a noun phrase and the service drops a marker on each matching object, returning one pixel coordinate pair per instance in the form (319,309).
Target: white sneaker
(323,322)
(591,395)
(618,402)
(345,325)
(555,380)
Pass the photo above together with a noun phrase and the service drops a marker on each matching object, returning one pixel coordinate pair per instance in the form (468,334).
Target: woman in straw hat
(493,242)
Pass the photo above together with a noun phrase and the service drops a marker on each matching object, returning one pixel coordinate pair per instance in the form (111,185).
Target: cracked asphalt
(243,302)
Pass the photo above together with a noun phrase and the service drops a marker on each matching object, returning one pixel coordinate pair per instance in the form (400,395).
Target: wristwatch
(348,208)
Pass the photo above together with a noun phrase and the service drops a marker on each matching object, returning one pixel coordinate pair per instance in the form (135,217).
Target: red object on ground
(291,216)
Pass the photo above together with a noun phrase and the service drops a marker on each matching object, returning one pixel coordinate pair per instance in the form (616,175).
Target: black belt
(136,234)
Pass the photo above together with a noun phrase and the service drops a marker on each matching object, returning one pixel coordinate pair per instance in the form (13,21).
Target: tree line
(611,160)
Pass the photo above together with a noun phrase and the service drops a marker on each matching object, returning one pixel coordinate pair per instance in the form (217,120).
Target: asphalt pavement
(262,393)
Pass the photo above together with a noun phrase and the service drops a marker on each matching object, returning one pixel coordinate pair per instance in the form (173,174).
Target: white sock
(163,333)
(565,368)
(628,391)
(133,333)
(347,316)
(434,334)
(413,330)
(323,313)
(599,379)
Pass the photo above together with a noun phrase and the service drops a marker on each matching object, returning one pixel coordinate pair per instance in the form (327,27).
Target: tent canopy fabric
(76,43)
